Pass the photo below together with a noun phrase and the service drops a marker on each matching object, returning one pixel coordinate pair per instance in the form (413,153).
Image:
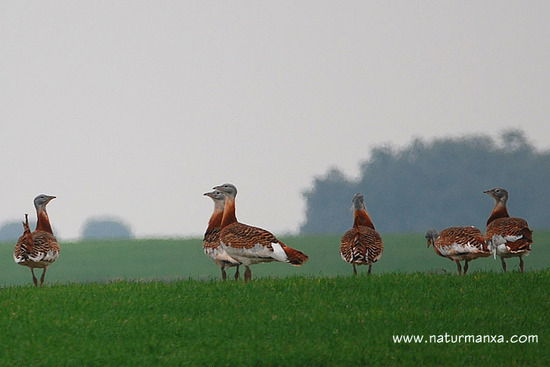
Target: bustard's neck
(499,211)
(216,219)
(43,223)
(362,218)
(229,212)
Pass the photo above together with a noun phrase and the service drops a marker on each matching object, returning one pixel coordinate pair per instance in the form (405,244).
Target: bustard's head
(42,200)
(431,236)
(216,195)
(358,201)
(228,189)
(499,194)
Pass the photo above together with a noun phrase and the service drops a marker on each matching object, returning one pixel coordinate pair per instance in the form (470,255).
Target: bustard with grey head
(362,244)
(459,244)
(38,249)
(211,240)
(508,236)
(251,245)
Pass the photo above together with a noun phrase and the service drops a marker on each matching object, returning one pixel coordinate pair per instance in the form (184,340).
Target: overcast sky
(134,109)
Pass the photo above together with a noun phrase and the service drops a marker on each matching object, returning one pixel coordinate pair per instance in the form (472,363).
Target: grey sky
(136,108)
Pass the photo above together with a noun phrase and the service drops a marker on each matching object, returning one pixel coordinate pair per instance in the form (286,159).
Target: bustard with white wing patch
(508,236)
(38,249)
(251,245)
(362,244)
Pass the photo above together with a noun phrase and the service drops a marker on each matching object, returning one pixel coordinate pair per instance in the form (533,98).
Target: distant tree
(10,231)
(435,185)
(106,228)
(332,192)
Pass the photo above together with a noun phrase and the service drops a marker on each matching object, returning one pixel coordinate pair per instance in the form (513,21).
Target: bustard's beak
(50,198)
(209,194)
(487,192)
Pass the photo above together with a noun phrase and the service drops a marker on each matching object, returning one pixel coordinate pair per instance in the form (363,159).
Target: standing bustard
(211,241)
(361,245)
(459,244)
(251,245)
(509,237)
(38,249)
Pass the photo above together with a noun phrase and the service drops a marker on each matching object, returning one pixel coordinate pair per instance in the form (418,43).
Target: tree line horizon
(434,185)
(105,227)
(423,185)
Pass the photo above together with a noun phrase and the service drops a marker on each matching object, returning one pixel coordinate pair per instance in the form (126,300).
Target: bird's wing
(512,232)
(461,241)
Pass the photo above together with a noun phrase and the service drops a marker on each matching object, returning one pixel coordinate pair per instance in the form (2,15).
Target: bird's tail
(294,257)
(26,240)
(26,228)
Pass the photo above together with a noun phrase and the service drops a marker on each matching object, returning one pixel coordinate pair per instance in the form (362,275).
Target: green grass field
(159,303)
(297,321)
(98,261)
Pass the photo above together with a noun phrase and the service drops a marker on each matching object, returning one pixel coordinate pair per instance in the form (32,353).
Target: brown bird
(459,244)
(251,245)
(509,237)
(361,245)
(38,249)
(211,241)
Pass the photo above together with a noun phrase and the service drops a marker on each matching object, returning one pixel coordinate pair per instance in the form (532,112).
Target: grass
(99,261)
(296,321)
(159,303)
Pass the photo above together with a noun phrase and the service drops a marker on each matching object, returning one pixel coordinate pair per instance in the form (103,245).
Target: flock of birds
(230,243)
(505,236)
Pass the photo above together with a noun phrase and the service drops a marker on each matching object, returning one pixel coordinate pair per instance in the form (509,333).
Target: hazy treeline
(108,227)
(436,184)
(93,228)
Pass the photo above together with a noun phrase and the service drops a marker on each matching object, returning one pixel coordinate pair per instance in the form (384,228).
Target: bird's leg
(503,264)
(521,264)
(370,268)
(43,275)
(354,269)
(465,266)
(459,268)
(237,273)
(224,274)
(247,274)
(35,281)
